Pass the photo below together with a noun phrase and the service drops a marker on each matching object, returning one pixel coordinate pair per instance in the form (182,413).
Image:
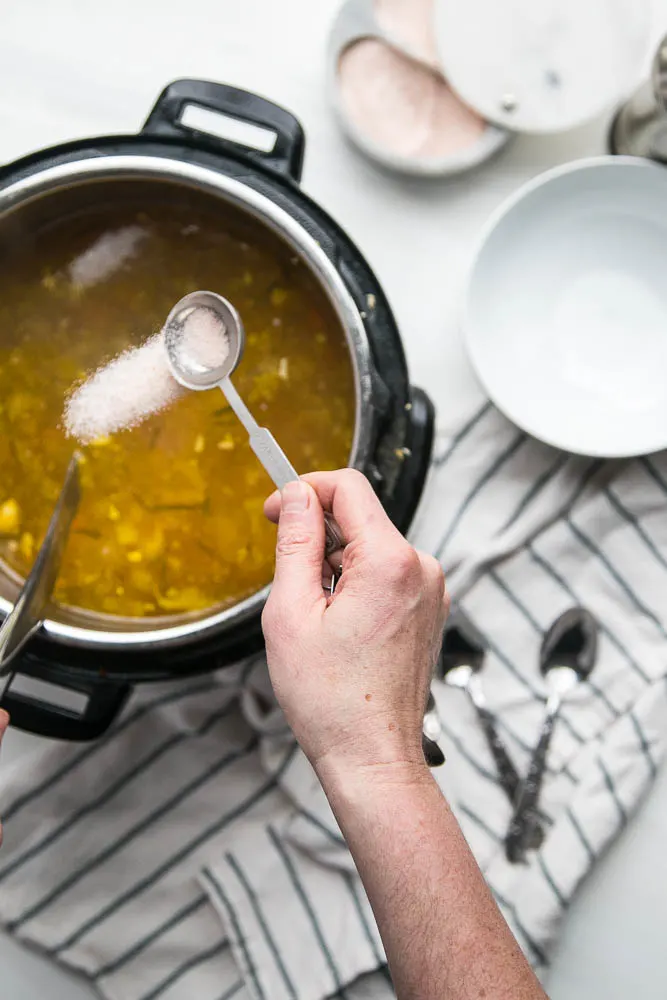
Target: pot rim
(119,167)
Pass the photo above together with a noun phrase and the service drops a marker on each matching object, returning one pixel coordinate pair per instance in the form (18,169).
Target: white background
(75,68)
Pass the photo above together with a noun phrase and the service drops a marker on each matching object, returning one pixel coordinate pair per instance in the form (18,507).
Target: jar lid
(542,65)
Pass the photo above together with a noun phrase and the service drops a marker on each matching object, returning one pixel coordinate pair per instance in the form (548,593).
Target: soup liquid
(171,519)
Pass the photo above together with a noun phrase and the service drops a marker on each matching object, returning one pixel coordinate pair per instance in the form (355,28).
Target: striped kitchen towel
(140,860)
(526,532)
(191,852)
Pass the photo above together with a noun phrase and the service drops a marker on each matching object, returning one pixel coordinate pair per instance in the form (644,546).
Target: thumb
(300,548)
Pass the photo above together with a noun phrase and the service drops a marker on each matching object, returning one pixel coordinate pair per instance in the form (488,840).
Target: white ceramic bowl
(565,315)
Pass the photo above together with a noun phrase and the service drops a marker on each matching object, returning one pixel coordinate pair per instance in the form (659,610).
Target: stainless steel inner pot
(30,204)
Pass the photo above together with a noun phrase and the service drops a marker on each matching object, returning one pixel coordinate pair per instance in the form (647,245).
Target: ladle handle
(25,618)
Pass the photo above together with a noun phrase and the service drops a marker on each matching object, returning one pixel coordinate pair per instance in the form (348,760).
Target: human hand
(4,722)
(351,672)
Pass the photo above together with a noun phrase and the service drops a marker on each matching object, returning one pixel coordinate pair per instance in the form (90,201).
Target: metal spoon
(461,660)
(199,372)
(567,657)
(28,612)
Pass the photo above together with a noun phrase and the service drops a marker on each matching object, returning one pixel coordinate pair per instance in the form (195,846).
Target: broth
(171,519)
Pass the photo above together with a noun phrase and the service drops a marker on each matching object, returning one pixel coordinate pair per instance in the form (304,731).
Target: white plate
(566,308)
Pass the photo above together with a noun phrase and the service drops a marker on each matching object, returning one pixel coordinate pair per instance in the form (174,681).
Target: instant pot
(393,437)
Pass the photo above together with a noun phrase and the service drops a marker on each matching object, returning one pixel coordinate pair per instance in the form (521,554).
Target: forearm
(443,933)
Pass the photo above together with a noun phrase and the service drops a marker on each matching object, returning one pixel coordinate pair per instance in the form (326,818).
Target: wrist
(381,805)
(351,782)
(382,743)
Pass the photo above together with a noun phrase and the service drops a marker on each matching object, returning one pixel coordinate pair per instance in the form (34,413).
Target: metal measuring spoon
(567,657)
(206,370)
(202,369)
(27,615)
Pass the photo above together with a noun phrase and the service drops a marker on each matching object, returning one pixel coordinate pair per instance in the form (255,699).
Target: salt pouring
(143,381)
(198,349)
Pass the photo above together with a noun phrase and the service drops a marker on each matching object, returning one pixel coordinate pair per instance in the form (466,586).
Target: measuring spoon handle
(272,457)
(281,471)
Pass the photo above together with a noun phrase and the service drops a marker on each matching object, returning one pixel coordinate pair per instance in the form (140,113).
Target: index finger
(349,496)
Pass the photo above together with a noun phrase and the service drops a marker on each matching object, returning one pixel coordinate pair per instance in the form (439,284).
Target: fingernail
(294,497)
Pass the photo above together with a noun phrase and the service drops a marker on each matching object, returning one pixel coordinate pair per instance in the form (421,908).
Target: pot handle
(285,152)
(415,467)
(28,712)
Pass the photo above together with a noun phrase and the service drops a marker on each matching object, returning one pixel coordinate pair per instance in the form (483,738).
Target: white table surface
(72,68)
